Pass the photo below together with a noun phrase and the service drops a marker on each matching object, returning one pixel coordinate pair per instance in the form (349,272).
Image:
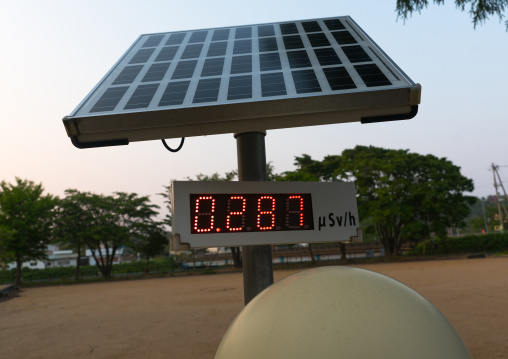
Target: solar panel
(241,79)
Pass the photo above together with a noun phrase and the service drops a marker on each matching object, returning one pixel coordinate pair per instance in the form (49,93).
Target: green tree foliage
(490,243)
(228,176)
(105,223)
(6,255)
(72,220)
(406,196)
(26,216)
(118,219)
(149,242)
(479,10)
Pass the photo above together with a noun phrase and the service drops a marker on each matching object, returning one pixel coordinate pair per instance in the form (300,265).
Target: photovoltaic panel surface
(243,78)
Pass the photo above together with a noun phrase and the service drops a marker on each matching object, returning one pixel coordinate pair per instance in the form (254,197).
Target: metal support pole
(257,260)
(498,199)
(484,216)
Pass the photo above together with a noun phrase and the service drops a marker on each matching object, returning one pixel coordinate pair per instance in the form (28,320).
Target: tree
(72,222)
(150,243)
(119,218)
(406,196)
(27,216)
(479,10)
(105,223)
(6,255)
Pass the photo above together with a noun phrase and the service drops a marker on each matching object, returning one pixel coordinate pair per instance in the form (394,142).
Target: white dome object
(340,312)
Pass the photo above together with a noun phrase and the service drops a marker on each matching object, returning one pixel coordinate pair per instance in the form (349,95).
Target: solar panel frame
(264,109)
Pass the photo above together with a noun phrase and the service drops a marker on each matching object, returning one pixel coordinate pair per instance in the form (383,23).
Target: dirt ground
(186,317)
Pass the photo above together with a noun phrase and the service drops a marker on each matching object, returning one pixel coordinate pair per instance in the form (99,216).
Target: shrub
(492,242)
(158,265)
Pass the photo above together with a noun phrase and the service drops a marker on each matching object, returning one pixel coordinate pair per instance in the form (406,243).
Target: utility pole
(484,216)
(499,204)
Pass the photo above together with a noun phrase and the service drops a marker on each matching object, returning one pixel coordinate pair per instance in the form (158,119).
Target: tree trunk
(17,280)
(147,268)
(76,272)
(387,240)
(109,261)
(237,257)
(342,247)
(101,265)
(313,260)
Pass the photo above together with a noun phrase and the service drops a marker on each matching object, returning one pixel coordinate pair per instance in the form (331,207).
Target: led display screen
(248,212)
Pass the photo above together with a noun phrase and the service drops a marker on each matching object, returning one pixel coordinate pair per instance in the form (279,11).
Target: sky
(55,52)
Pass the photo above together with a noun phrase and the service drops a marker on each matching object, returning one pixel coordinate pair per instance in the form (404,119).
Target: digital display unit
(230,214)
(249,212)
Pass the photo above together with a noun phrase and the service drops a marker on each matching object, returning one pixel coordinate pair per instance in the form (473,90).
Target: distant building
(65,258)
(117,259)
(35,264)
(62,259)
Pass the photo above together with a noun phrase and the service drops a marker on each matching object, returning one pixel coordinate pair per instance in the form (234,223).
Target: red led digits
(270,213)
(199,215)
(236,213)
(298,211)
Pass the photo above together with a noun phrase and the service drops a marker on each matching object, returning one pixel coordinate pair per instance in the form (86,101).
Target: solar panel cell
(176,38)
(217,49)
(128,75)
(293,42)
(318,40)
(142,56)
(156,72)
(220,35)
(266,30)
(167,53)
(141,97)
(356,54)
(268,44)
(334,24)
(109,99)
(240,87)
(174,94)
(372,75)
(344,37)
(288,29)
(327,56)
(338,78)
(243,33)
(207,91)
(184,70)
(242,47)
(272,84)
(298,59)
(270,61)
(306,81)
(311,26)
(213,67)
(153,41)
(198,36)
(241,64)
(192,51)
